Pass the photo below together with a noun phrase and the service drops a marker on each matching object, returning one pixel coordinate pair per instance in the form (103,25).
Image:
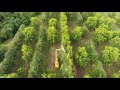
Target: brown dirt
(79,72)
(82,42)
(74,70)
(100,47)
(16,62)
(89,35)
(111,69)
(75,46)
(52,57)
(26,67)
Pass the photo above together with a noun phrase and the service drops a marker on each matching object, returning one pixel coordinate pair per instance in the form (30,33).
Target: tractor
(57,56)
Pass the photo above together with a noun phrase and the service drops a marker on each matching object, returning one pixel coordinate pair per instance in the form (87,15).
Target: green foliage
(29,34)
(116,33)
(64,29)
(77,33)
(50,75)
(86,76)
(110,55)
(74,16)
(66,66)
(63,19)
(118,20)
(85,30)
(11,21)
(3,49)
(115,42)
(112,14)
(92,53)
(20,70)
(100,19)
(51,34)
(70,15)
(26,52)
(69,50)
(95,21)
(11,53)
(26,36)
(110,22)
(109,35)
(11,75)
(91,23)
(53,15)
(100,34)
(44,17)
(85,15)
(98,70)
(52,22)
(116,75)
(81,57)
(35,63)
(35,22)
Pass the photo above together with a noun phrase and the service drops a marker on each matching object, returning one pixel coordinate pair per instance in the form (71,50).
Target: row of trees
(13,75)
(81,57)
(51,32)
(77,33)
(101,35)
(96,19)
(35,63)
(11,21)
(11,53)
(110,55)
(66,66)
(75,17)
(29,35)
(3,49)
(92,53)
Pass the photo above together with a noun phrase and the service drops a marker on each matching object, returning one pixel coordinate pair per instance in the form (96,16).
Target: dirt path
(79,72)
(52,57)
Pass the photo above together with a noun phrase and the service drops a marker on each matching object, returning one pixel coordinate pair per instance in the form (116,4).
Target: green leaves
(100,34)
(66,66)
(51,32)
(11,53)
(92,53)
(110,55)
(81,57)
(115,42)
(64,29)
(52,22)
(109,22)
(91,22)
(116,75)
(35,63)
(11,21)
(11,75)
(98,70)
(29,33)
(34,22)
(77,33)
(27,52)
(85,30)
(50,75)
